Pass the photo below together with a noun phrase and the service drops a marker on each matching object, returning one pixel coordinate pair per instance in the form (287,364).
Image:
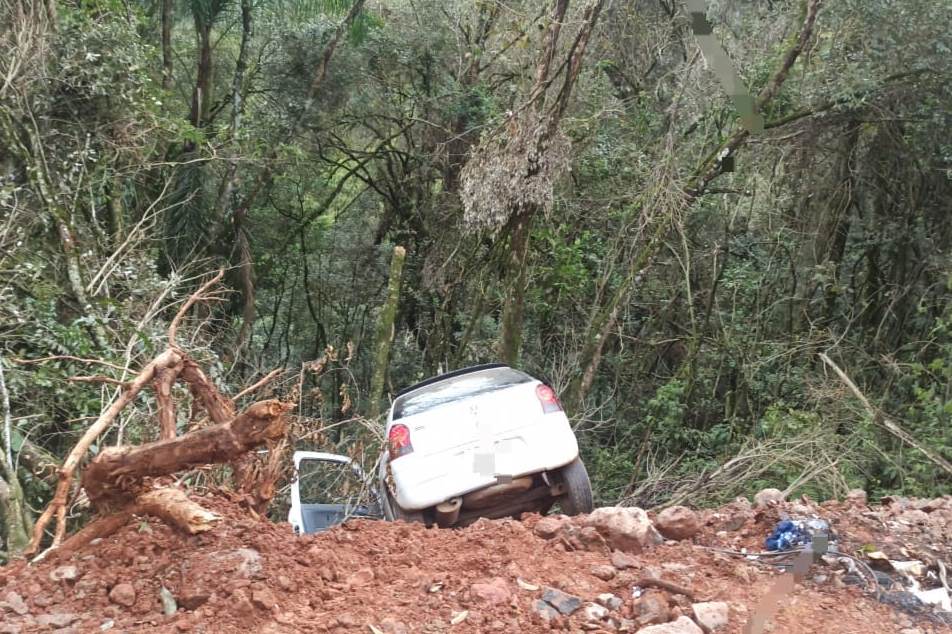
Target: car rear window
(456,388)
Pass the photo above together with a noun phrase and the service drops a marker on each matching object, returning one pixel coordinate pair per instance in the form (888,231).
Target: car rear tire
(577,498)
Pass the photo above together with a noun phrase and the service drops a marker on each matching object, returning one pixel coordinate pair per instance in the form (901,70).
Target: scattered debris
(526,586)
(791,533)
(169,606)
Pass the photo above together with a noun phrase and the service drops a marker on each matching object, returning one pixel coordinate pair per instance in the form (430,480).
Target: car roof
(450,375)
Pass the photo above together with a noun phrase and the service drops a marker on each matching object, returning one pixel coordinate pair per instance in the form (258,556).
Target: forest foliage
(575,192)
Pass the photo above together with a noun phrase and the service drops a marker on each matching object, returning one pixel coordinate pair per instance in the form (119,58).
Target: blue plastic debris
(789,534)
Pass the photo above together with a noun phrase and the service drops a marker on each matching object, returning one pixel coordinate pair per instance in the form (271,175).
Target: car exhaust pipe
(447,513)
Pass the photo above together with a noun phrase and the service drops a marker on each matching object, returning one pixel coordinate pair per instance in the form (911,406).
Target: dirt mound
(493,576)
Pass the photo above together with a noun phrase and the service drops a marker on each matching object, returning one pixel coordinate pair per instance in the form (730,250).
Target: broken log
(174,507)
(57,506)
(111,477)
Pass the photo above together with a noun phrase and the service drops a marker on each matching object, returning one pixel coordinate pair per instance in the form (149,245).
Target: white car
(487,441)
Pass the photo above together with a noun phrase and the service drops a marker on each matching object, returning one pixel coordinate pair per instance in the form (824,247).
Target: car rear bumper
(424,481)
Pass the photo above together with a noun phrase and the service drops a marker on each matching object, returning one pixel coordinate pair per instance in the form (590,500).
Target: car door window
(328,482)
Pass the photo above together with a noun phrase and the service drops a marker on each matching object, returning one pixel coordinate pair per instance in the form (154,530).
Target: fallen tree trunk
(118,482)
(170,505)
(115,473)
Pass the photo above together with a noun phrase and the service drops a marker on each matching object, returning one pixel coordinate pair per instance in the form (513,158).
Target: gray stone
(562,601)
(595,612)
(543,609)
(610,601)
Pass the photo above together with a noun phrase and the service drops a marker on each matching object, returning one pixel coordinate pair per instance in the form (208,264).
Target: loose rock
(712,614)
(652,607)
(683,625)
(604,572)
(15,603)
(546,611)
(123,594)
(57,619)
(623,561)
(857,497)
(767,497)
(678,522)
(263,598)
(594,612)
(562,601)
(64,573)
(493,591)
(549,527)
(610,601)
(590,538)
(625,528)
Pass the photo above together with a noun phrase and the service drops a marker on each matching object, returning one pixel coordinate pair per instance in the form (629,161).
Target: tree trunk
(385,328)
(237,106)
(13,510)
(201,95)
(107,478)
(13,513)
(167,7)
(510,336)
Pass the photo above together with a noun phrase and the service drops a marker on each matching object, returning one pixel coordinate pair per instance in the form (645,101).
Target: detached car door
(328,489)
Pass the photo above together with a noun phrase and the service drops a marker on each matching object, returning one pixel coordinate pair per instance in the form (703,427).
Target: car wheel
(577,498)
(393,512)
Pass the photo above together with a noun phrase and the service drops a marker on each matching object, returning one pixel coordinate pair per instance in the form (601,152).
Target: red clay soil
(250,575)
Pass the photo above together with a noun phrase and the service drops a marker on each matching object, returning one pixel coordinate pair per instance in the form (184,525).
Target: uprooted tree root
(122,481)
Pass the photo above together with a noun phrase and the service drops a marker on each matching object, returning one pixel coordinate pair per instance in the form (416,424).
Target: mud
(251,575)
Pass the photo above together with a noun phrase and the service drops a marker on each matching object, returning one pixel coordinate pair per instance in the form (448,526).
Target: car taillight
(550,402)
(399,441)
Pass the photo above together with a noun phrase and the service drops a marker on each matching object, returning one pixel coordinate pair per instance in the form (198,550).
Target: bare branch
(196,296)
(270,376)
(880,419)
